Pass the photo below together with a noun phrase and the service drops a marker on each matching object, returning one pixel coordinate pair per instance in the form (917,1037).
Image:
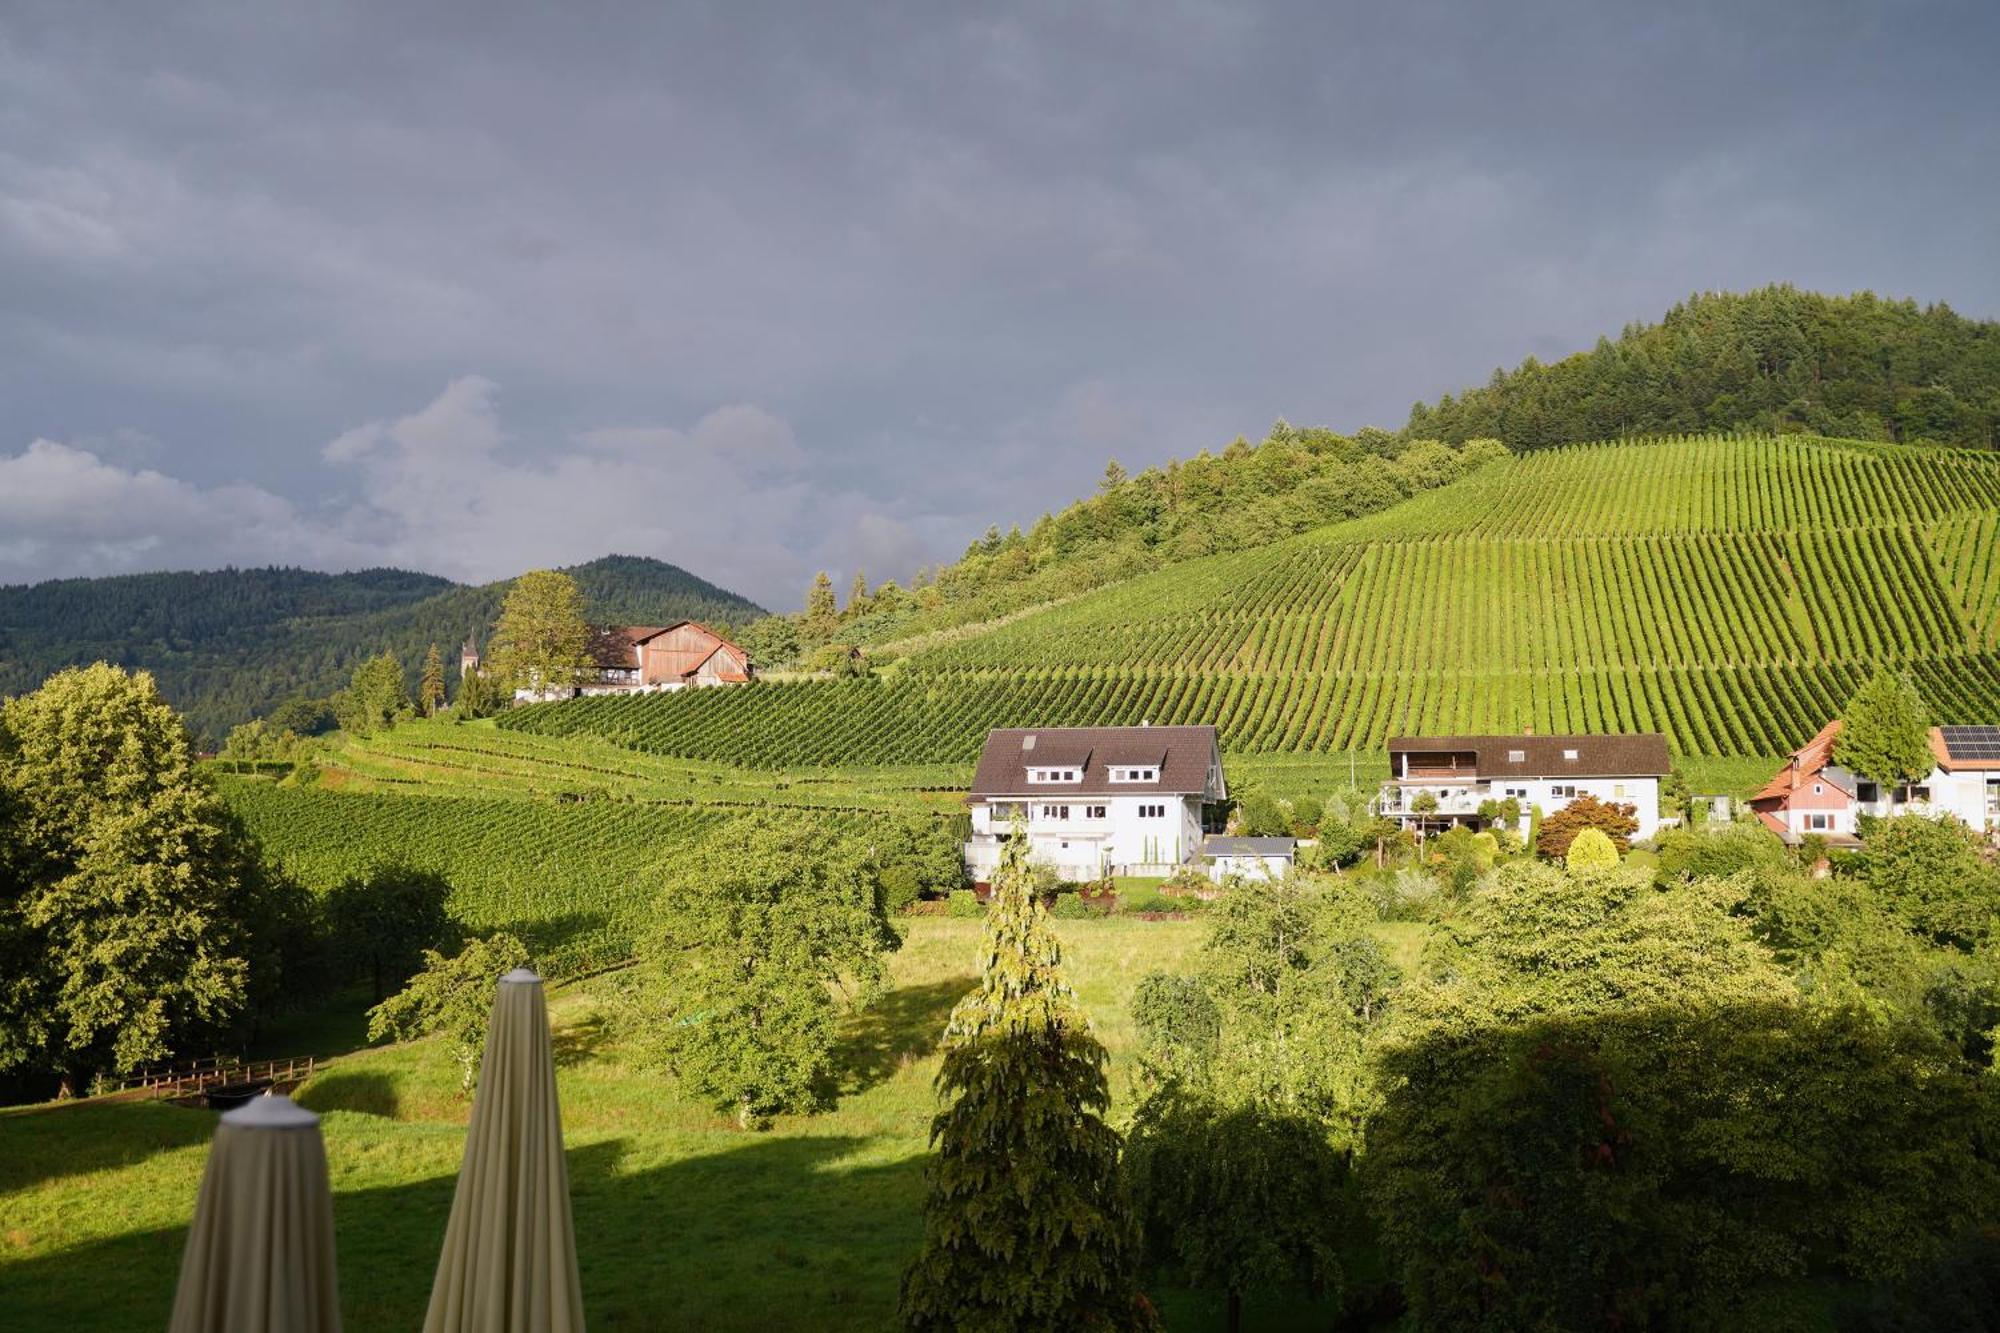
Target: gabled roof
(686,663)
(1626,755)
(1966,749)
(1182,754)
(1803,763)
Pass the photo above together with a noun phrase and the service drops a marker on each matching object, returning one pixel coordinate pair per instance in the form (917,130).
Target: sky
(762,289)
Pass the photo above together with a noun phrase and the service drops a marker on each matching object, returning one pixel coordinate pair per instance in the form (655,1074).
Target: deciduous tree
(1885,732)
(127,891)
(745,963)
(542,643)
(452,997)
(1617,821)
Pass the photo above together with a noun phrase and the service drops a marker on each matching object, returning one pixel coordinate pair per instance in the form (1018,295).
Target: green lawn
(683,1221)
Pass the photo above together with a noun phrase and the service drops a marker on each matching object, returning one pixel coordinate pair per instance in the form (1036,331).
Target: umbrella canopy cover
(509,1259)
(259,1255)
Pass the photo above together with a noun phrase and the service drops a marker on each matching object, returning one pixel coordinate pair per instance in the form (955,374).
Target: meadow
(683,1220)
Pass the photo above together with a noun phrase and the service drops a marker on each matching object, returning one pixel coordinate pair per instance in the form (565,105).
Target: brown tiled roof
(1638,754)
(1182,753)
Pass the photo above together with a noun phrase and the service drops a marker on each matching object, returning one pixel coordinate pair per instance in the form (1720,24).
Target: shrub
(1072,907)
(1617,822)
(901,886)
(1590,850)
(964,904)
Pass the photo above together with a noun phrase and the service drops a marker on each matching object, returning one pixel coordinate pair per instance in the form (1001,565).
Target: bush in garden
(1617,822)
(1591,849)
(964,904)
(900,888)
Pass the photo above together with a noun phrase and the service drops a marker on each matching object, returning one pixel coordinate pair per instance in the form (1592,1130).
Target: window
(1517,756)
(1135,775)
(1093,812)
(1563,792)
(1618,790)
(1152,812)
(1055,812)
(1052,775)
(1819,823)
(1569,754)
(1818,790)
(1515,793)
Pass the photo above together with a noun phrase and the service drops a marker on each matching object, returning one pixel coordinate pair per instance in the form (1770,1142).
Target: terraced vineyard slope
(1729,591)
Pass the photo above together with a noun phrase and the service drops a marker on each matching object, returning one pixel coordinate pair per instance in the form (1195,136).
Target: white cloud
(448,490)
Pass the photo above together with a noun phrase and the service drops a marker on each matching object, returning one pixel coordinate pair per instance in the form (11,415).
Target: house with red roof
(1812,795)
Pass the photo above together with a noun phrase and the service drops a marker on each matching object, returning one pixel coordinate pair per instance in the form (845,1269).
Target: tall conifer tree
(1026,1225)
(822,616)
(430,688)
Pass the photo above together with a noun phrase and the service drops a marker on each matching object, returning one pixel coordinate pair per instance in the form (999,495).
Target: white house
(1437,781)
(1814,796)
(1250,858)
(1095,800)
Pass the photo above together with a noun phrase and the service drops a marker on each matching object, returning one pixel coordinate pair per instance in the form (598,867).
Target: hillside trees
(374,696)
(1885,732)
(745,958)
(132,897)
(1931,873)
(430,684)
(1026,1222)
(542,642)
(822,613)
(1772,359)
(381,922)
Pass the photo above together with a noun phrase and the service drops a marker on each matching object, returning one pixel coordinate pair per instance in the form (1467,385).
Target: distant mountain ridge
(227,645)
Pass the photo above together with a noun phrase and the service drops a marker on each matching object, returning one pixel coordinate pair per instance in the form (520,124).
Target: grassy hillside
(229,644)
(1730,592)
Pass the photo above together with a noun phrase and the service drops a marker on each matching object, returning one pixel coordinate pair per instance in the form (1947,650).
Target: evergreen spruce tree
(430,688)
(822,616)
(1026,1223)
(1885,736)
(858,601)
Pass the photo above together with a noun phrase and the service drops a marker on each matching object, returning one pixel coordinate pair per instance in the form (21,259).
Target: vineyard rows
(569,879)
(1731,592)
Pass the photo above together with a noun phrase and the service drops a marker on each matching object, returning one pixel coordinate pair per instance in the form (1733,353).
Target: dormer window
(1052,775)
(1135,775)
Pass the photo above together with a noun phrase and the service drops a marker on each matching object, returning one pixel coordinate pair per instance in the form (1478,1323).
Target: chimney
(1527,731)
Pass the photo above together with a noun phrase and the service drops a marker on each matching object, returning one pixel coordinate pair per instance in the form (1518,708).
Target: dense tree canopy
(542,642)
(1885,732)
(1775,359)
(751,962)
(129,897)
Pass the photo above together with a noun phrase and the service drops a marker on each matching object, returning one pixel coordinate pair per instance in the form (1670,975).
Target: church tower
(468,659)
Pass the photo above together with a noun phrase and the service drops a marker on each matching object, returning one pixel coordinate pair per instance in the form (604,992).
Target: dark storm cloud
(472,289)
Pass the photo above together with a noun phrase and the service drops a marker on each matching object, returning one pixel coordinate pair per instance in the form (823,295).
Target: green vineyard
(568,878)
(1730,592)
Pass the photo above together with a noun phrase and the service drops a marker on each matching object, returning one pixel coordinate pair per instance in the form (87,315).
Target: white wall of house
(1080,835)
(1551,794)
(1257,869)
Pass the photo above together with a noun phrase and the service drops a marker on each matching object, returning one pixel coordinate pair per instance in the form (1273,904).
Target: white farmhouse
(1438,781)
(1095,800)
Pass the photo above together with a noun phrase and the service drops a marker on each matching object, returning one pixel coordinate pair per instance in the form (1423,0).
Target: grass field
(683,1221)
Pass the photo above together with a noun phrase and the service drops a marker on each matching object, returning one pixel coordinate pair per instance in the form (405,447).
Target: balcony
(1396,802)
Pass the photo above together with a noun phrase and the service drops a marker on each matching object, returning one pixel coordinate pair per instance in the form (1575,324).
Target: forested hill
(1777,359)
(228,644)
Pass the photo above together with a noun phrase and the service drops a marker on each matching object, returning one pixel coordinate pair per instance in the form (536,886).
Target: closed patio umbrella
(509,1260)
(259,1255)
